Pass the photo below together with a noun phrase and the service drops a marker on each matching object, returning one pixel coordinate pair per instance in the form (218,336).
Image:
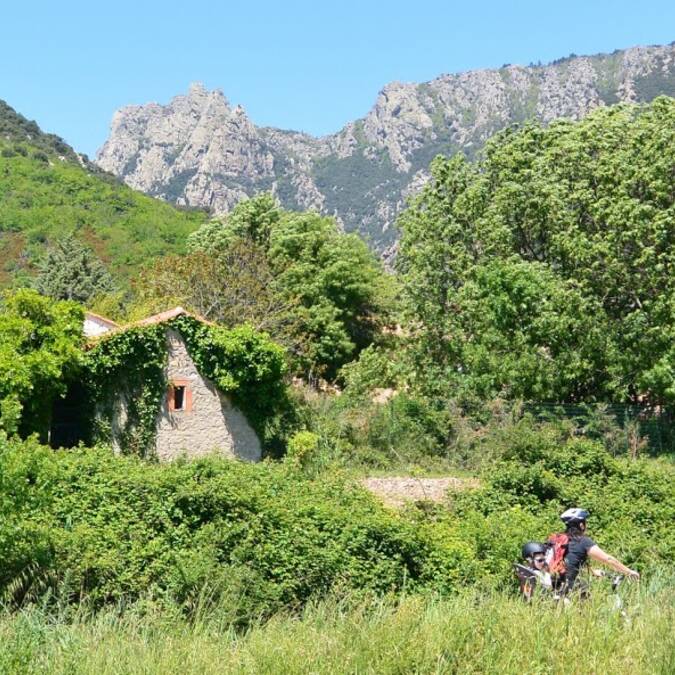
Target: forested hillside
(47,191)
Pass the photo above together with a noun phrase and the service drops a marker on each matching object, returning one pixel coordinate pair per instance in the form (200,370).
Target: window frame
(187,396)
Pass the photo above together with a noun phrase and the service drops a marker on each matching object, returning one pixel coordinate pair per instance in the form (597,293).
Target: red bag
(555,557)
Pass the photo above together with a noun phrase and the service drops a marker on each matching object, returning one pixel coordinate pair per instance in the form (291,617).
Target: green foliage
(45,201)
(333,287)
(26,473)
(15,127)
(399,433)
(378,424)
(409,428)
(123,528)
(126,369)
(252,219)
(543,271)
(231,286)
(335,278)
(376,368)
(71,271)
(471,633)
(266,536)
(302,448)
(250,367)
(129,365)
(543,471)
(539,338)
(39,349)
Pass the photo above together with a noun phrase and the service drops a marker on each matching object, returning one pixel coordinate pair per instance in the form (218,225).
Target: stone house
(195,418)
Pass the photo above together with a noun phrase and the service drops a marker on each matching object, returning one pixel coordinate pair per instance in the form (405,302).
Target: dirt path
(397,490)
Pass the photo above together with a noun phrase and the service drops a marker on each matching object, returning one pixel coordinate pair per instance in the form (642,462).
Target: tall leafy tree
(253,219)
(332,284)
(580,213)
(71,271)
(40,344)
(231,286)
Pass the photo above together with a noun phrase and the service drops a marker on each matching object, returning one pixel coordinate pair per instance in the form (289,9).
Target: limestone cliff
(198,150)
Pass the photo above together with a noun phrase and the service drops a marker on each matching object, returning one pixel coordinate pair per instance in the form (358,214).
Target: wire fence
(655,425)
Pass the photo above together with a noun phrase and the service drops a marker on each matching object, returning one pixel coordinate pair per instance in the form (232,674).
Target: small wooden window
(179,397)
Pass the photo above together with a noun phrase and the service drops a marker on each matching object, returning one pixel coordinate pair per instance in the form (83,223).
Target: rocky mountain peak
(197,150)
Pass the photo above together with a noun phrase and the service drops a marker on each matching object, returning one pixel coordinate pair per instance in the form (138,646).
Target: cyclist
(577,548)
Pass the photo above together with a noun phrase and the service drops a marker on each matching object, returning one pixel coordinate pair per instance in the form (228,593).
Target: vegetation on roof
(129,363)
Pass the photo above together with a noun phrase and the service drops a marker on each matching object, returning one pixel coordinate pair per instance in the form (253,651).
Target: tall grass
(469,633)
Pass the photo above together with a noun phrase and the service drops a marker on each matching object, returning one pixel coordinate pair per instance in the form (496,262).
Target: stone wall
(211,424)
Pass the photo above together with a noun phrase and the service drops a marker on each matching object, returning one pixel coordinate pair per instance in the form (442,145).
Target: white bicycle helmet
(574,516)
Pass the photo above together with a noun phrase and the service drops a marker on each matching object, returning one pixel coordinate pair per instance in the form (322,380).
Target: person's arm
(598,554)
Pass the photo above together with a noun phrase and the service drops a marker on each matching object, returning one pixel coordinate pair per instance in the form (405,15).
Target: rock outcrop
(200,151)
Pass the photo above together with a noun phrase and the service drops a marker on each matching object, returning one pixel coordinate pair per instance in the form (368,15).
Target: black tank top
(577,555)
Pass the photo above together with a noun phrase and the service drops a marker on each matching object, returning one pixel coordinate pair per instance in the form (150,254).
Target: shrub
(302,448)
(39,348)
(26,480)
(409,427)
(118,528)
(258,538)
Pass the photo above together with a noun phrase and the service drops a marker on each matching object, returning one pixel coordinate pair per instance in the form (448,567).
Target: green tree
(334,287)
(582,214)
(521,332)
(71,271)
(40,343)
(252,219)
(231,286)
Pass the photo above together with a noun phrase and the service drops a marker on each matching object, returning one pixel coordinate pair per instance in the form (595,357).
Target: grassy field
(469,633)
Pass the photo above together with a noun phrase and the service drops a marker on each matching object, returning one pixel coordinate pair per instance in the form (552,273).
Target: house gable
(206,420)
(147,396)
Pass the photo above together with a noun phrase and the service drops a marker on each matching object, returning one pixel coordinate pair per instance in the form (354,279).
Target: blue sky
(310,66)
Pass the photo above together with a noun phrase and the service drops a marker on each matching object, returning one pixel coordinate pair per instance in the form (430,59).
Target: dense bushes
(262,537)
(530,472)
(40,344)
(108,527)
(26,471)
(380,421)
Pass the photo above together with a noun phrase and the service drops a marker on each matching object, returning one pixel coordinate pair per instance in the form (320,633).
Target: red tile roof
(162,317)
(153,320)
(159,318)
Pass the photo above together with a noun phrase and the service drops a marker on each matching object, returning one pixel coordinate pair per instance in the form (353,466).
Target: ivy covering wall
(128,368)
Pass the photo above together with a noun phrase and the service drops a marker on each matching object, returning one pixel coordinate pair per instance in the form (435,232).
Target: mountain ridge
(199,150)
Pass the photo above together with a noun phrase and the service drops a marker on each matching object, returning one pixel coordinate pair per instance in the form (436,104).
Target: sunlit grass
(469,633)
